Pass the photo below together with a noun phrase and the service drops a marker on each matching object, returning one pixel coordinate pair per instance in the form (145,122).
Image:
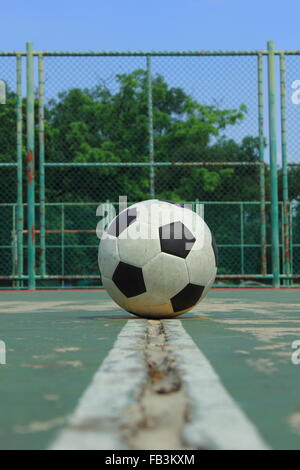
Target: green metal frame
(150,128)
(30,168)
(273,164)
(286,262)
(42,167)
(20,212)
(270,53)
(263,230)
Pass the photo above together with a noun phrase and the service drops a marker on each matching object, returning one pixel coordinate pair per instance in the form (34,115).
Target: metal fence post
(62,244)
(291,219)
(30,167)
(14,247)
(150,127)
(263,237)
(20,212)
(242,237)
(273,165)
(42,168)
(285,197)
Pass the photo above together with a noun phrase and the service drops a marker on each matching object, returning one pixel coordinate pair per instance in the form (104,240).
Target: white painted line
(216,421)
(95,423)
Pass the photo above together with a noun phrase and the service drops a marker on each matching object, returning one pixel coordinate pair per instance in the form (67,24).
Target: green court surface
(247,336)
(54,344)
(56,340)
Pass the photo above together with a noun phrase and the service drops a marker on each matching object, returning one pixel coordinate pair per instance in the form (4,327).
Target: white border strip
(216,420)
(94,425)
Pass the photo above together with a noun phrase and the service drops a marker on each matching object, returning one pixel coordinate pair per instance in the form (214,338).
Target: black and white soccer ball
(157,259)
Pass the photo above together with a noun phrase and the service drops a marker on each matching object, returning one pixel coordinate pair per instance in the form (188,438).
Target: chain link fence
(9,171)
(178,126)
(71,249)
(202,109)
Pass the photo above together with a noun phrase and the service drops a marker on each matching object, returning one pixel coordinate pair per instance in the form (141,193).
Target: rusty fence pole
(263,231)
(30,166)
(285,194)
(20,211)
(273,165)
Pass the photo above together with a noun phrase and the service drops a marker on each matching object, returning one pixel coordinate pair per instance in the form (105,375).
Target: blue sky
(149,25)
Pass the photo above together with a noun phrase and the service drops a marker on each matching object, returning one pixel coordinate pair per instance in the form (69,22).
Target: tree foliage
(111,126)
(98,125)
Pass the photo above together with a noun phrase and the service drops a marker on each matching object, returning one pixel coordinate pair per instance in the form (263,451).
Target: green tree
(100,126)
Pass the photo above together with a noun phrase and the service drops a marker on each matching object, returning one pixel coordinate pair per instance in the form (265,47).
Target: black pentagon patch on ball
(129,279)
(172,202)
(215,248)
(122,221)
(176,239)
(187,297)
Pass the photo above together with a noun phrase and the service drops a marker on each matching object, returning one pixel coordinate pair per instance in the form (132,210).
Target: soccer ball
(157,259)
